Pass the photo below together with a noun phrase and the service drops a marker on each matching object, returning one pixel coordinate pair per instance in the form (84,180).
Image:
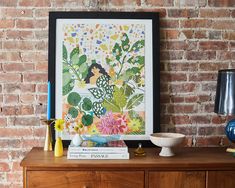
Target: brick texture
(197,39)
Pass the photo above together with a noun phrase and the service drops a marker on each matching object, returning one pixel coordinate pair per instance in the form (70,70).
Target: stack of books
(91,150)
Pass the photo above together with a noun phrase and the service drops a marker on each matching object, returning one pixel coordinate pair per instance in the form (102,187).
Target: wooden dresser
(190,168)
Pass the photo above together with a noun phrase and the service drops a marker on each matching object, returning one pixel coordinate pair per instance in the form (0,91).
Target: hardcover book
(98,156)
(118,147)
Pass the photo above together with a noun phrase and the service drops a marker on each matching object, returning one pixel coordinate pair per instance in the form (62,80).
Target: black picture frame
(154,16)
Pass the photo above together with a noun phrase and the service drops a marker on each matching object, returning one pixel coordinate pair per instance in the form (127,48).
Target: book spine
(98,156)
(98,150)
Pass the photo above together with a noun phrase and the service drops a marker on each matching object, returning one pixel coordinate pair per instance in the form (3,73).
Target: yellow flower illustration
(93,130)
(112,72)
(59,124)
(78,127)
(134,124)
(81,84)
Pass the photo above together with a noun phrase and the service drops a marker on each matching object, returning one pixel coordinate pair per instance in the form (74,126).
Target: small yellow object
(58,151)
(139,152)
(231,150)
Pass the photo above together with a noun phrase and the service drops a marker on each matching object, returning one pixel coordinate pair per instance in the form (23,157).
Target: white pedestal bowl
(166,141)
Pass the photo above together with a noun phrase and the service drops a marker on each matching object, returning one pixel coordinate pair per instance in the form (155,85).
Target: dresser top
(185,159)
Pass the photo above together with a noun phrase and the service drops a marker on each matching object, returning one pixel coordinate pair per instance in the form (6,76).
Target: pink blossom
(112,125)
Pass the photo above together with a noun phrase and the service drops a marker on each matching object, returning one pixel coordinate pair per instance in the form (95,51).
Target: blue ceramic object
(101,139)
(230,130)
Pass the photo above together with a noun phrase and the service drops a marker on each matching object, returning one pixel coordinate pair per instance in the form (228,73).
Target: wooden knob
(85,186)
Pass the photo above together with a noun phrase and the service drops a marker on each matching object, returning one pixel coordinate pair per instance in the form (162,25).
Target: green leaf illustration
(128,90)
(69,87)
(65,53)
(117,51)
(82,60)
(87,104)
(111,106)
(136,60)
(133,71)
(96,92)
(102,81)
(98,109)
(87,120)
(74,98)
(74,55)
(66,78)
(109,91)
(132,114)
(134,101)
(119,97)
(83,68)
(137,45)
(73,111)
(125,42)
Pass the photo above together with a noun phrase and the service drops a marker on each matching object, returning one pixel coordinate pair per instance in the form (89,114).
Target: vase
(58,151)
(77,140)
(48,139)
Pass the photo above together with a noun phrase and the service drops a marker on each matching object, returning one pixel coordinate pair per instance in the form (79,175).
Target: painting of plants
(103,77)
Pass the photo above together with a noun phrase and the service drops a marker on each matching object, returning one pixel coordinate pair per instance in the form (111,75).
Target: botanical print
(104,78)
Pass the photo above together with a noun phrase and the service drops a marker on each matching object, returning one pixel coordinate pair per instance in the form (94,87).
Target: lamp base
(230,130)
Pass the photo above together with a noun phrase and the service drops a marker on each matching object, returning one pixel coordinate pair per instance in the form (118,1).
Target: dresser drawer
(218,179)
(177,179)
(85,179)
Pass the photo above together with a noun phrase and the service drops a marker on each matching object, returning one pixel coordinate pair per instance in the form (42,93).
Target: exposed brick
(35,3)
(24,23)
(169,34)
(24,121)
(4,166)
(218,120)
(200,55)
(208,141)
(200,34)
(208,87)
(18,88)
(200,119)
(18,67)
(3,122)
(215,34)
(9,77)
(196,23)
(12,34)
(229,35)
(123,2)
(223,24)
(27,98)
(42,88)
(160,2)
(68,3)
(233,13)
(173,77)
(203,77)
(183,88)
(192,3)
(181,109)
(181,120)
(172,55)
(7,24)
(169,24)
(212,66)
(188,34)
(11,98)
(17,110)
(187,13)
(21,45)
(182,66)
(35,77)
(213,45)
(161,11)
(222,3)
(15,13)
(8,3)
(214,13)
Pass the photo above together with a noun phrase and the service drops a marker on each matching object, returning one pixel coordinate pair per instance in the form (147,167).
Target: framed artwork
(104,74)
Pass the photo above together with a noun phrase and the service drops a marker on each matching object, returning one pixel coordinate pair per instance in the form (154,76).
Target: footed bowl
(166,141)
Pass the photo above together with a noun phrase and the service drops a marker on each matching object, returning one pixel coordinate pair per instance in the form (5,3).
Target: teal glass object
(101,139)
(230,130)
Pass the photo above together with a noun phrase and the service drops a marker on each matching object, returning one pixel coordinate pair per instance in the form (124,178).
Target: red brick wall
(197,39)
